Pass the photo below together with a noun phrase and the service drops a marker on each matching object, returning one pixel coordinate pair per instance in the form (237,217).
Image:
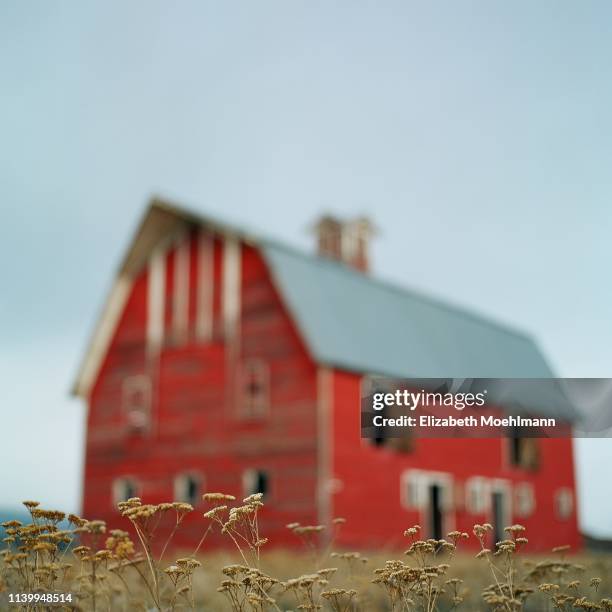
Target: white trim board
(103,334)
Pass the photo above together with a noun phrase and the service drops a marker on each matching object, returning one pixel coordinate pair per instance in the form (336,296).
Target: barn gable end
(170,386)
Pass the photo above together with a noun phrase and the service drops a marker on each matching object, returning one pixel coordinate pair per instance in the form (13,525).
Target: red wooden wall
(193,426)
(369,477)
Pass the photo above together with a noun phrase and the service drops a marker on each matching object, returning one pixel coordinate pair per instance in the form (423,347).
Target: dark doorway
(261,482)
(498,516)
(435,512)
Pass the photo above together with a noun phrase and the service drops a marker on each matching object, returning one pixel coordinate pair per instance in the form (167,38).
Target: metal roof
(351,320)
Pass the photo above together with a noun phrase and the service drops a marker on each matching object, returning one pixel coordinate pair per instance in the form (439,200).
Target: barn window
(412,486)
(433,494)
(476,495)
(256,481)
(564,503)
(123,488)
(136,401)
(524,451)
(254,395)
(524,498)
(187,488)
(379,435)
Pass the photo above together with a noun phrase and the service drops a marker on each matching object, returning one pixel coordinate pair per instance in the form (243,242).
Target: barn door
(497,507)
(501,510)
(435,510)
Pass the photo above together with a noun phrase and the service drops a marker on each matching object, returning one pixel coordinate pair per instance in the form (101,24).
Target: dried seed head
(211,514)
(217,497)
(412,531)
(256,497)
(560,549)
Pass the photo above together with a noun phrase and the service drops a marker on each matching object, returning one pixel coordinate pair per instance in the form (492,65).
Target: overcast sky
(477,136)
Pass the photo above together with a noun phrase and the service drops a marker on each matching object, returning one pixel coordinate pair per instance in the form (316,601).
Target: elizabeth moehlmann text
(469,421)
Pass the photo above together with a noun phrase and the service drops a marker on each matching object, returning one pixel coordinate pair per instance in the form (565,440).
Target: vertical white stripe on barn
(324,448)
(204,309)
(180,311)
(231,287)
(156,300)
(103,334)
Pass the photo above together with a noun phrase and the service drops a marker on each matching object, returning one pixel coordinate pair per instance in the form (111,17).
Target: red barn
(226,362)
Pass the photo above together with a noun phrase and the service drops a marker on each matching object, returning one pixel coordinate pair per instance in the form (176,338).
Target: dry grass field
(107,569)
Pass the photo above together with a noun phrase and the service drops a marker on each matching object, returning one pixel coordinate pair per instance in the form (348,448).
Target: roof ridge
(396,287)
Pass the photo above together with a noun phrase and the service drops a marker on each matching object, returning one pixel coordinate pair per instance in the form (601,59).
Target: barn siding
(367,479)
(193,428)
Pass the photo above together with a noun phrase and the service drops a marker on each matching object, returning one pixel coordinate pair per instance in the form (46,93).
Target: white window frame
(524,499)
(261,369)
(421,480)
(139,383)
(565,503)
(117,485)
(499,485)
(477,495)
(414,485)
(248,481)
(179,486)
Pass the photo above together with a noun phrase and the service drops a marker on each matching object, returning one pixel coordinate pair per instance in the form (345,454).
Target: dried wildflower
(547,587)
(305,529)
(75,520)
(561,549)
(181,507)
(514,529)
(188,563)
(256,497)
(217,497)
(412,531)
(213,513)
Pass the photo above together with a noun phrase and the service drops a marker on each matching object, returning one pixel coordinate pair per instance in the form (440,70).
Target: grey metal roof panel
(353,321)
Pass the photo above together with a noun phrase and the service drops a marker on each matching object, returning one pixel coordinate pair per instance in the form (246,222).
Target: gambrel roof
(352,321)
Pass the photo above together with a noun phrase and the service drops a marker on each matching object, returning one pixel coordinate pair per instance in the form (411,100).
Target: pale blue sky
(477,135)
